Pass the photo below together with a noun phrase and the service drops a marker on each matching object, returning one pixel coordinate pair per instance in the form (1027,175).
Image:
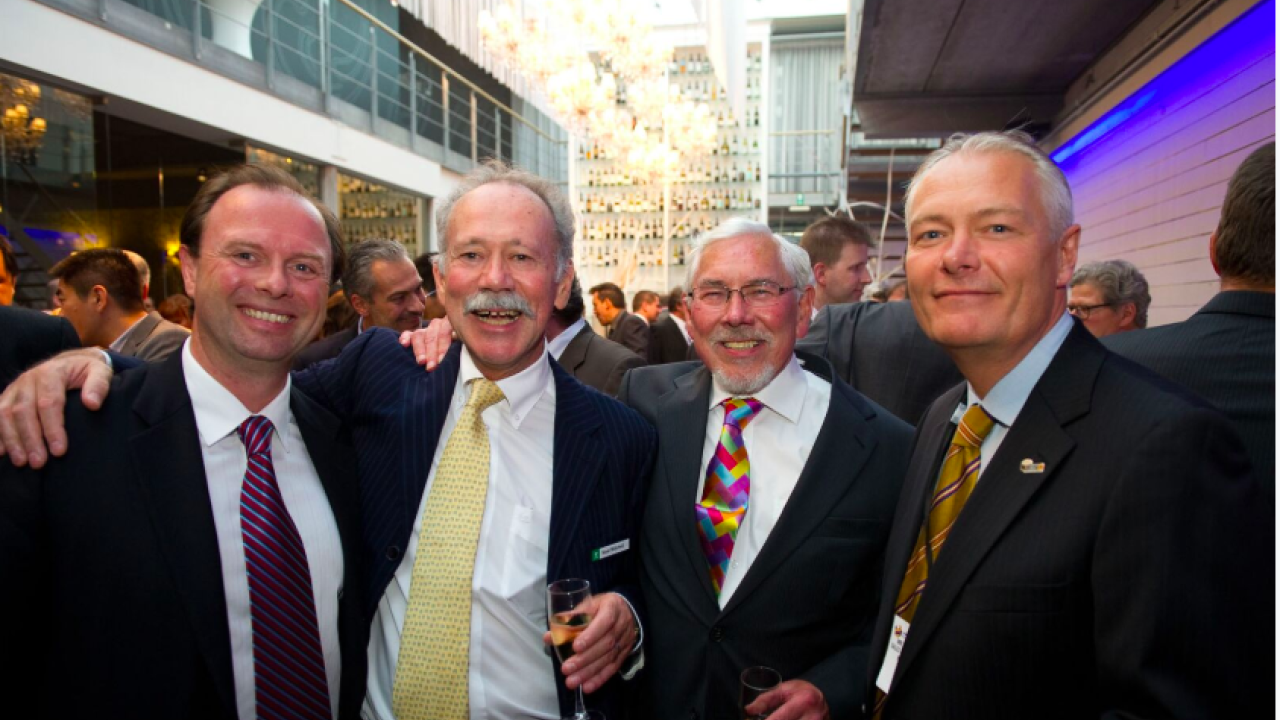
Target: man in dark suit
(669,341)
(1087,540)
(628,330)
(29,337)
(384,288)
(144,563)
(879,349)
(1226,352)
(793,583)
(101,294)
(589,358)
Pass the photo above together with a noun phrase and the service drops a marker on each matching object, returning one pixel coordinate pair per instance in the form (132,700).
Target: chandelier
(656,131)
(21,127)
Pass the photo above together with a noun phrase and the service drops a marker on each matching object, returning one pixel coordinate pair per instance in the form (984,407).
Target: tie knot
(484,393)
(740,411)
(255,433)
(974,427)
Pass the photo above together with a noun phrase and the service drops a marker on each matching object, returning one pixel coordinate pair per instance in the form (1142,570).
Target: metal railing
(805,161)
(336,57)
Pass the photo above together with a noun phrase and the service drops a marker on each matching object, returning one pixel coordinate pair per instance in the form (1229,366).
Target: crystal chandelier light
(21,126)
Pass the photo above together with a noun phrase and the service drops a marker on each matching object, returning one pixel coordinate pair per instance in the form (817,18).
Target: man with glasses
(1109,297)
(763,534)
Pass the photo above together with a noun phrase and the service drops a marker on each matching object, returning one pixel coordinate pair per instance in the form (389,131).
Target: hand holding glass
(567,621)
(756,681)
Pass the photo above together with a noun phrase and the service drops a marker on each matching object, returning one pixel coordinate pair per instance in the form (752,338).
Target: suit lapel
(843,446)
(576,465)
(575,353)
(140,333)
(1060,397)
(181,513)
(320,430)
(682,419)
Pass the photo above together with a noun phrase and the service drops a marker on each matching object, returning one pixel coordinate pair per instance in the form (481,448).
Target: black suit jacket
(1133,577)
(324,349)
(1226,353)
(396,411)
(113,603)
(631,332)
(807,605)
(29,337)
(880,350)
(666,342)
(597,362)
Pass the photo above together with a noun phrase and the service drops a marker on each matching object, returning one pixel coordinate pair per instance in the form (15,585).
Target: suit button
(393,553)
(717,633)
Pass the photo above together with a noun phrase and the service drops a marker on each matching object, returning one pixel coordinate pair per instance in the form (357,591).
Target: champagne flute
(567,621)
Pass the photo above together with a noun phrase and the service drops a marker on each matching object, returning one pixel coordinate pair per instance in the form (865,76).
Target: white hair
(1055,191)
(794,259)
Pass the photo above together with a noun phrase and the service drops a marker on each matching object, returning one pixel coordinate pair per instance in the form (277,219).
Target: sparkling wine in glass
(567,620)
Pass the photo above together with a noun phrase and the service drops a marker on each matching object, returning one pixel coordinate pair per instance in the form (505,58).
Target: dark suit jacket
(1225,353)
(807,605)
(1132,578)
(29,337)
(880,350)
(154,338)
(597,362)
(110,567)
(666,342)
(396,411)
(631,332)
(329,347)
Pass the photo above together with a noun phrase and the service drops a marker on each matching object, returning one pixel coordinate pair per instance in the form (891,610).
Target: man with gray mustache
(764,531)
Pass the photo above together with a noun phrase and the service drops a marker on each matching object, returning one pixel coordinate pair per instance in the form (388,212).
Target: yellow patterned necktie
(431,672)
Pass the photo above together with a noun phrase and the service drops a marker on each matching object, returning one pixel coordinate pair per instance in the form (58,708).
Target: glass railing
(345,58)
(805,161)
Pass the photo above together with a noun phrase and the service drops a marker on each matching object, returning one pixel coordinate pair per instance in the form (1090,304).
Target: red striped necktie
(288,661)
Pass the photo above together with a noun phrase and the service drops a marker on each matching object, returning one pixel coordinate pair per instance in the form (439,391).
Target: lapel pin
(1031,468)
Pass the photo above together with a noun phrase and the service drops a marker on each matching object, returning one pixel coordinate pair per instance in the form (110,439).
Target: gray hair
(357,278)
(144,270)
(496,171)
(1120,282)
(794,259)
(1055,191)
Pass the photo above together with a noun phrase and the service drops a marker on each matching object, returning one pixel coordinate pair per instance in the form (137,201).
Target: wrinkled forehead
(740,259)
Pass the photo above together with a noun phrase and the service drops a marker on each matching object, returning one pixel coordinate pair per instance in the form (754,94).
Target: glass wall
(369,210)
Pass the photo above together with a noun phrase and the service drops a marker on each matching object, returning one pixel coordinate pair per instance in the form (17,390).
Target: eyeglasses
(1084,311)
(757,294)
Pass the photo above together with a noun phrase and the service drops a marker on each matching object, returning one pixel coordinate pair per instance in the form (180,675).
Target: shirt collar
(679,321)
(557,344)
(784,394)
(520,391)
(219,413)
(1006,399)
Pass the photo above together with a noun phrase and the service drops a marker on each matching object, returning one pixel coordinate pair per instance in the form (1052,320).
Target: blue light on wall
(1237,46)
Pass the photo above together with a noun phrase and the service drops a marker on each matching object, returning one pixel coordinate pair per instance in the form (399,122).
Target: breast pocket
(526,554)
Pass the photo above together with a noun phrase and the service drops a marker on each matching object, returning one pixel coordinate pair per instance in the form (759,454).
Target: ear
(188,263)
(1213,252)
(565,286)
(820,274)
(97,298)
(1128,312)
(1068,251)
(805,313)
(359,305)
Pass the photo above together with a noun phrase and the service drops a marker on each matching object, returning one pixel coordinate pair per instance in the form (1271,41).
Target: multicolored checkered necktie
(727,488)
(288,660)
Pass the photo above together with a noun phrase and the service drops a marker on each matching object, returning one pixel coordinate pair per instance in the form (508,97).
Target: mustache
(737,334)
(489,300)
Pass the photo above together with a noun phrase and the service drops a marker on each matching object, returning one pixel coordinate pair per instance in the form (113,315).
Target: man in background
(384,288)
(1109,296)
(593,360)
(669,341)
(177,309)
(622,327)
(646,305)
(1226,352)
(838,249)
(432,308)
(101,294)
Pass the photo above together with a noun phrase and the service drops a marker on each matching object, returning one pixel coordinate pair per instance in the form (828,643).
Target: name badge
(610,550)
(897,638)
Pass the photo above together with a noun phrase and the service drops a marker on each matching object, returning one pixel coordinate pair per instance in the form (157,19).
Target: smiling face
(498,279)
(986,274)
(260,282)
(746,347)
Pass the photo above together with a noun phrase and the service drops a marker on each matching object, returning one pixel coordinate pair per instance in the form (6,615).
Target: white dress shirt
(218,415)
(1005,400)
(510,672)
(557,344)
(778,441)
(684,329)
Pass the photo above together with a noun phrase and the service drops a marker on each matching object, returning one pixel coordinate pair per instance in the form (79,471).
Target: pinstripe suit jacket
(396,411)
(1132,578)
